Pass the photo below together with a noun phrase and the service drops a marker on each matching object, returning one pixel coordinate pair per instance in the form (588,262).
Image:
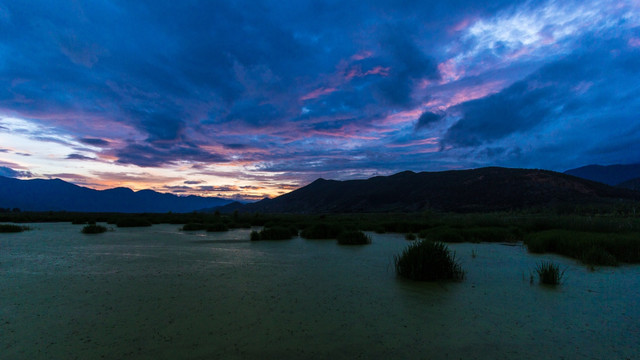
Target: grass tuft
(549,273)
(428,261)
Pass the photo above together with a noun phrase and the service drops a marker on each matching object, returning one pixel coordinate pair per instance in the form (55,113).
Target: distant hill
(485,189)
(633,184)
(610,174)
(58,195)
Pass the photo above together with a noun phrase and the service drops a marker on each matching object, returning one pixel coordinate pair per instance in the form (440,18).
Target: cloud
(145,155)
(79,157)
(11,173)
(193,182)
(94,142)
(427,119)
(517,108)
(562,90)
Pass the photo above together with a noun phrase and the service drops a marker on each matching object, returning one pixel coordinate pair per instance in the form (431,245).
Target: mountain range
(615,175)
(484,189)
(58,195)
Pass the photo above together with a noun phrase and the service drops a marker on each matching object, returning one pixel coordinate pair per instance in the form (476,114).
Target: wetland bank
(158,292)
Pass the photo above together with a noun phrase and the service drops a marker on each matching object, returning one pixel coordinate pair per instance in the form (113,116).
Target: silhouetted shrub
(549,273)
(353,238)
(240,225)
(428,261)
(10,228)
(217,227)
(321,231)
(193,227)
(93,229)
(273,233)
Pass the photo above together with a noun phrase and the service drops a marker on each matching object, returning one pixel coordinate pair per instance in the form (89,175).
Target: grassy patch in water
(193,227)
(591,248)
(274,233)
(428,261)
(549,273)
(217,227)
(93,229)
(10,228)
(353,238)
(321,231)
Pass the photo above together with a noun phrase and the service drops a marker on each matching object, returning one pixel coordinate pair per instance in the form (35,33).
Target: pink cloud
(446,100)
(378,70)
(461,25)
(421,142)
(450,71)
(403,117)
(634,42)
(317,93)
(361,56)
(356,71)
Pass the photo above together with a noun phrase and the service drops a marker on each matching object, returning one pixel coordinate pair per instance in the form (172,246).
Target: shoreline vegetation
(11,228)
(598,237)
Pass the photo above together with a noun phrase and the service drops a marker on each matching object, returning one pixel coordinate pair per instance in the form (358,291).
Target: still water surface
(158,293)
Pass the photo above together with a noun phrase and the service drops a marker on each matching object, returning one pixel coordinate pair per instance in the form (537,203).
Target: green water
(158,293)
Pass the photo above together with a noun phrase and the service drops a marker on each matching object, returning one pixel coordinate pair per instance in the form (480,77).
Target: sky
(249,99)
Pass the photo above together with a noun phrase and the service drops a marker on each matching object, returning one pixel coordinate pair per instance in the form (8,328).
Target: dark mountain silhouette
(610,174)
(58,195)
(633,184)
(484,189)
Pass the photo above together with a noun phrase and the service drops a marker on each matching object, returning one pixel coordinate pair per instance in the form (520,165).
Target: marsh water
(159,293)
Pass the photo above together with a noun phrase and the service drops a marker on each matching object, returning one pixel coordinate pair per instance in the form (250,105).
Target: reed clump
(549,273)
(428,261)
(10,228)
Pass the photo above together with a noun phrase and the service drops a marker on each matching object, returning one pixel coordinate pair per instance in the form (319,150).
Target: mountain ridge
(59,195)
(607,174)
(483,189)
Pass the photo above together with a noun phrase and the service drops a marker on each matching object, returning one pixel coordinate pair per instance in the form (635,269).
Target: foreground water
(158,293)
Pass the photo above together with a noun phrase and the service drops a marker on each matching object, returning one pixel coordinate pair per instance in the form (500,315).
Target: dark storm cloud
(408,64)
(193,182)
(517,108)
(94,142)
(588,84)
(427,119)
(79,157)
(151,156)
